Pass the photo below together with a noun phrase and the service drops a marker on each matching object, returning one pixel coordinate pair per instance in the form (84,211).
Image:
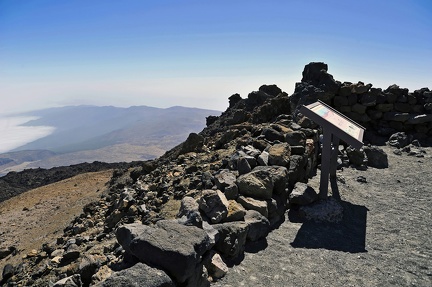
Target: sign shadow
(348,235)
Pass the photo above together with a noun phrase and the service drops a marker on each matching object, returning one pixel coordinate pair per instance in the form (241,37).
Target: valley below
(107,134)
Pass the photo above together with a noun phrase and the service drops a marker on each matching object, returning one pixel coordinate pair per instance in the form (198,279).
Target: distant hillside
(108,134)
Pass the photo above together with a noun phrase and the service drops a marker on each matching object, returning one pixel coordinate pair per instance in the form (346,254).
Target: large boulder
(278,175)
(8,272)
(235,211)
(254,204)
(263,158)
(225,180)
(272,90)
(243,166)
(356,156)
(263,181)
(272,135)
(255,184)
(296,138)
(139,275)
(376,157)
(297,168)
(214,204)
(189,212)
(303,194)
(87,268)
(279,154)
(232,238)
(259,225)
(193,143)
(315,73)
(175,248)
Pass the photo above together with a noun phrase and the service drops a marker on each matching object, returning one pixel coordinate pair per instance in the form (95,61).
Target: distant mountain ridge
(92,133)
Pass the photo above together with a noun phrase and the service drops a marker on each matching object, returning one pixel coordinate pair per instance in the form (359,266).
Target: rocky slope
(15,183)
(181,219)
(55,204)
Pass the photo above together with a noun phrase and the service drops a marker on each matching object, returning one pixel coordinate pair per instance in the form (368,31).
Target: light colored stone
(255,184)
(103,273)
(217,267)
(254,204)
(279,154)
(235,211)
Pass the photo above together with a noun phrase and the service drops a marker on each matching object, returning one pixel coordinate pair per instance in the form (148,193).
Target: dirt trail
(385,238)
(39,216)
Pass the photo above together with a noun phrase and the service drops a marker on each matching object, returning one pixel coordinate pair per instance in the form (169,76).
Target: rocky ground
(385,238)
(230,205)
(40,215)
(15,183)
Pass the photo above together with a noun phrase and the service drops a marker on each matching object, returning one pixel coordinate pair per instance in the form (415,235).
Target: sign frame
(335,126)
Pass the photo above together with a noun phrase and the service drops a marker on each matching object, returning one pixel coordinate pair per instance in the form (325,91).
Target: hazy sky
(198,53)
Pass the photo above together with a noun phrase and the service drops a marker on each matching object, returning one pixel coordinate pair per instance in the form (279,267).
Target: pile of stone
(236,199)
(381,112)
(182,219)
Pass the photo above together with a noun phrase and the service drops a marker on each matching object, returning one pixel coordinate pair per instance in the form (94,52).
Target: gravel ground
(39,216)
(384,239)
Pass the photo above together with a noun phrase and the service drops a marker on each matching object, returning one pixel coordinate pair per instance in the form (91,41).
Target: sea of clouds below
(13,135)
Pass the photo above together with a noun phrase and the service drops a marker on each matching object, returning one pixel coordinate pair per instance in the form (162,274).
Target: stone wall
(381,112)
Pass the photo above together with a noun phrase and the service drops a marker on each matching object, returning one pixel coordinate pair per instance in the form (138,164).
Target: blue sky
(198,53)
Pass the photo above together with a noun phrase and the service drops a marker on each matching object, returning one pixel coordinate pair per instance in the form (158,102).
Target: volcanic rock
(175,248)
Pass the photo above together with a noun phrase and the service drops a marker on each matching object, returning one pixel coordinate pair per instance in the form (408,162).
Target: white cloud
(14,135)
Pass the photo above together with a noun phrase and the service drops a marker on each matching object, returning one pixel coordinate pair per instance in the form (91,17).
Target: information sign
(335,126)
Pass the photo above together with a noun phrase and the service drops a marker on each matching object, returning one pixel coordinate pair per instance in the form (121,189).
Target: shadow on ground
(348,235)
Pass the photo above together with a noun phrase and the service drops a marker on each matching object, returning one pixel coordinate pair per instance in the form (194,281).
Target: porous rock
(254,204)
(193,143)
(189,212)
(177,249)
(232,238)
(235,211)
(258,225)
(225,180)
(263,158)
(214,204)
(356,156)
(399,140)
(302,194)
(295,138)
(8,271)
(138,275)
(255,184)
(376,157)
(87,268)
(279,154)
(243,166)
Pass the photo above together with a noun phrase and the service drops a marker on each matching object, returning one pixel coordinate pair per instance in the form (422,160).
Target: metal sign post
(335,126)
